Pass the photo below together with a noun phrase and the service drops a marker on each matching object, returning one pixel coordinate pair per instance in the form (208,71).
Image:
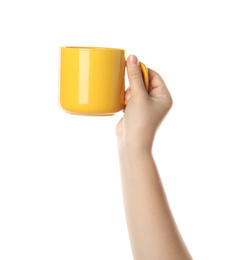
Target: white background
(60,193)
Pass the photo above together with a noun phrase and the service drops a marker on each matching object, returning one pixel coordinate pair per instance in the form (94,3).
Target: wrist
(133,147)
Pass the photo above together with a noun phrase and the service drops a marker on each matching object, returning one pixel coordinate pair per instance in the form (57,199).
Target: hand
(144,111)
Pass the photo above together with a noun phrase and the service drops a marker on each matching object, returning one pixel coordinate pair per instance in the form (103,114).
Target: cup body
(91,80)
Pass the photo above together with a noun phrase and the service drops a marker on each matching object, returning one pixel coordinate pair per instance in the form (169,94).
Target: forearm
(152,229)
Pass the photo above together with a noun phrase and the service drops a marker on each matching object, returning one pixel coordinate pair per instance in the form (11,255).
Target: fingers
(135,76)
(156,82)
(158,88)
(155,79)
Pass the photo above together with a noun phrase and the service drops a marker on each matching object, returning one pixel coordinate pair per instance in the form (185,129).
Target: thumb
(135,75)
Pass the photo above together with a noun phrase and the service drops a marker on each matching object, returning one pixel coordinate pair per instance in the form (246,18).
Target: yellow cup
(91,80)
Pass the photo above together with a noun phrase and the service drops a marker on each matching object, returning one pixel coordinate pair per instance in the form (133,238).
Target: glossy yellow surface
(91,80)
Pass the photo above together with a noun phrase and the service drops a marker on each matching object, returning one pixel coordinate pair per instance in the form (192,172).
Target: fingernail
(133,60)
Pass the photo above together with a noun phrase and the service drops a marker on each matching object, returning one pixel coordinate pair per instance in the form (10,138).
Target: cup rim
(81,48)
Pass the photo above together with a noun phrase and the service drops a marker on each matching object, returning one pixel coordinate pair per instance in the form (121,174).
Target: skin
(152,230)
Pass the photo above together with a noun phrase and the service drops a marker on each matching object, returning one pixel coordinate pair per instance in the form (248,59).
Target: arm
(152,229)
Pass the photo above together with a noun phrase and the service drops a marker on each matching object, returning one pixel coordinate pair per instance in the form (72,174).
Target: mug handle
(144,71)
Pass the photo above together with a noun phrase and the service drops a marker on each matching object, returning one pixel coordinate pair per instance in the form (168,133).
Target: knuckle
(171,102)
(136,75)
(167,103)
(170,99)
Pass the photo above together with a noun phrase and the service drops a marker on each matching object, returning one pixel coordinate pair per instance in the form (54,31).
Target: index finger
(155,79)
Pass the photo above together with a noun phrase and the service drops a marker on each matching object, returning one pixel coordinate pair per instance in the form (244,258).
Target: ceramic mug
(91,80)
